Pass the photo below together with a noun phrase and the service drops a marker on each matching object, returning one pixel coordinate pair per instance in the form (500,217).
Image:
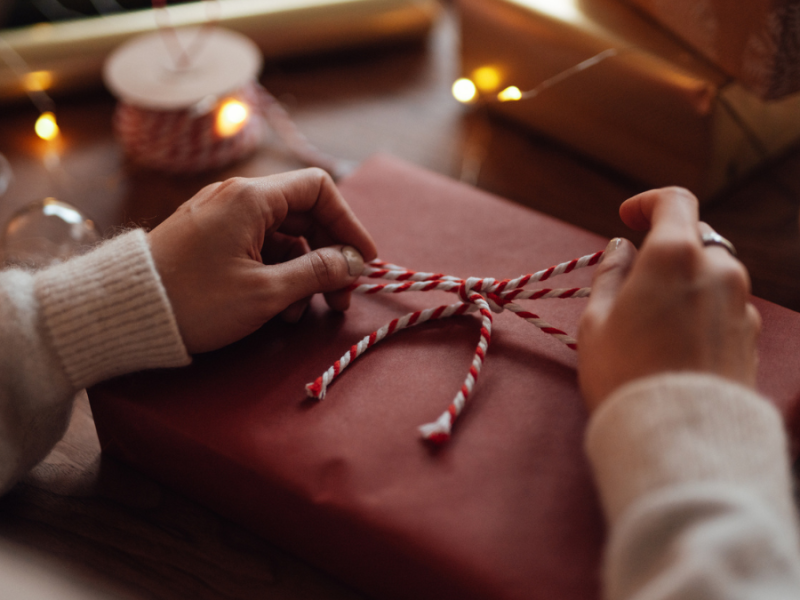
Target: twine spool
(168,115)
(180,142)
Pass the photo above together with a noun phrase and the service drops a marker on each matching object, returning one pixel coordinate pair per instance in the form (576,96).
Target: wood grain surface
(111,525)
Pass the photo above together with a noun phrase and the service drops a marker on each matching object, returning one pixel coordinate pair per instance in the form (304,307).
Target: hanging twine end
(437,439)
(439,431)
(315,390)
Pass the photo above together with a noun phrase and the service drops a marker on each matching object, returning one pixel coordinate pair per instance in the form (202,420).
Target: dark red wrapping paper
(505,511)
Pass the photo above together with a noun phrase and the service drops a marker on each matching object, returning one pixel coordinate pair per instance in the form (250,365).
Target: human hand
(231,257)
(676,306)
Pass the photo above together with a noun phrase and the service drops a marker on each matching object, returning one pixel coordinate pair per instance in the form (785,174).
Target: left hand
(211,254)
(675,306)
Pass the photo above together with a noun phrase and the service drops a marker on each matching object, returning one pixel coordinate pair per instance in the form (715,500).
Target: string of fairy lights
(232,114)
(35,84)
(483,83)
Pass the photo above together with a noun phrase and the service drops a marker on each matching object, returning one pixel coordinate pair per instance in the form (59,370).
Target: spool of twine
(169,116)
(180,141)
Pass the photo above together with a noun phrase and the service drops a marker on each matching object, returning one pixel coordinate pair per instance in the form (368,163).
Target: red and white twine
(485,295)
(186,141)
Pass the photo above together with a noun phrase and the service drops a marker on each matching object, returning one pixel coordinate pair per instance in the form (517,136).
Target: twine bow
(485,295)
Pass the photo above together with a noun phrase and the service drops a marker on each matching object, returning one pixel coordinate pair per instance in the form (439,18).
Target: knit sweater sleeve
(694,476)
(66,327)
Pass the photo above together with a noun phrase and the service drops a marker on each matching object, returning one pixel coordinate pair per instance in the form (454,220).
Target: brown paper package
(655,111)
(757,42)
(506,510)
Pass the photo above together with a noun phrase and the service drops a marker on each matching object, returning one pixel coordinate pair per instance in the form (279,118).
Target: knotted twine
(485,295)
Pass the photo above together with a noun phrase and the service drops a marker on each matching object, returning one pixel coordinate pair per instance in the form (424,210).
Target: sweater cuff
(107,312)
(663,431)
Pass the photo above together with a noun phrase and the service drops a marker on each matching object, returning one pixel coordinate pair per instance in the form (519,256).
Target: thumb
(322,270)
(610,275)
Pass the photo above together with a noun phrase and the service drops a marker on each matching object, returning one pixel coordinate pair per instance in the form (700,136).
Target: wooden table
(112,525)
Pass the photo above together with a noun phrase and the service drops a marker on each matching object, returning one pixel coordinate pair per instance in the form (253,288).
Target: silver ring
(714,239)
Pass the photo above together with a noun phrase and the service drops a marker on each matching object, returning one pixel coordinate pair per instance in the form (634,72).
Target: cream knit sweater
(69,326)
(693,470)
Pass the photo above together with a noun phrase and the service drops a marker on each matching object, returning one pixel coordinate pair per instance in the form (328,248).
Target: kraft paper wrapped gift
(505,511)
(757,42)
(654,111)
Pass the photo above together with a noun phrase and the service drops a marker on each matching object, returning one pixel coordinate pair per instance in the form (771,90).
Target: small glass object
(6,175)
(46,231)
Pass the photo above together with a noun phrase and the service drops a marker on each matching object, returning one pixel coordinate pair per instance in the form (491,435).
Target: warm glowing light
(486,78)
(231,117)
(509,94)
(565,10)
(37,81)
(464,90)
(46,126)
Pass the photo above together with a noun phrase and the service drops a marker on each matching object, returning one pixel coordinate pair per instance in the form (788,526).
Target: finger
(338,300)
(704,227)
(322,270)
(304,225)
(280,248)
(312,191)
(611,273)
(712,250)
(724,264)
(754,318)
(674,209)
(755,323)
(721,248)
(295,311)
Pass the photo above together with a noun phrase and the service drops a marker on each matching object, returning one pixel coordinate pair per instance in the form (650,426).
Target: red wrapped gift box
(506,510)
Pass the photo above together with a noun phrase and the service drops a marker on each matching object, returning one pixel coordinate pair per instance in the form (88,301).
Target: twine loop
(484,295)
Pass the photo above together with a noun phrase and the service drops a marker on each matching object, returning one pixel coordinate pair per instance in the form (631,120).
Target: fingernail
(613,245)
(355,262)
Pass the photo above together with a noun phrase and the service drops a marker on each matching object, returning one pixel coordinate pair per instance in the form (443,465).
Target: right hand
(676,306)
